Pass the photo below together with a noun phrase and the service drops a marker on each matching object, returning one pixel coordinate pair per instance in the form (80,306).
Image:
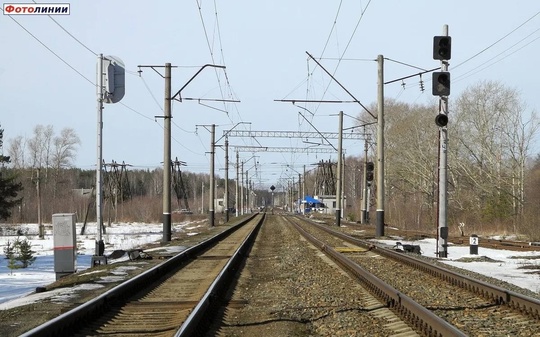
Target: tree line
(493,173)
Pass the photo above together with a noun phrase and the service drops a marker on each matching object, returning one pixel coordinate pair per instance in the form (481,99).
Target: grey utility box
(65,244)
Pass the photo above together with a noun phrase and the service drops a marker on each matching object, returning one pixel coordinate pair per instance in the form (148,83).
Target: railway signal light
(370,167)
(441,120)
(441,83)
(114,79)
(442,47)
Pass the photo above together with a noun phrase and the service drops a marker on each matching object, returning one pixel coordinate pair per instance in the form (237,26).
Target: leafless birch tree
(493,135)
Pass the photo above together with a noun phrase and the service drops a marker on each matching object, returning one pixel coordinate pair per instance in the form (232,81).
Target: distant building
(219,205)
(330,203)
(311,204)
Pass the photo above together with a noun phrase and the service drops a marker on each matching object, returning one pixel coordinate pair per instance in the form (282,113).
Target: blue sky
(263,46)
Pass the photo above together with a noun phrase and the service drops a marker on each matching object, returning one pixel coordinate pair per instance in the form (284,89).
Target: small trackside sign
(36,9)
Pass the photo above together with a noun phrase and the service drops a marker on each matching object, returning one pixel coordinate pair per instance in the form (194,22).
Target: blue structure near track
(312,204)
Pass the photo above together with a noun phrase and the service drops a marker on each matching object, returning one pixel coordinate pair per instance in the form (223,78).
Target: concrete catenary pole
(365,201)
(167,157)
(304,191)
(343,186)
(247,192)
(379,228)
(226,194)
(299,189)
(339,168)
(236,203)
(443,144)
(242,189)
(212,176)
(202,197)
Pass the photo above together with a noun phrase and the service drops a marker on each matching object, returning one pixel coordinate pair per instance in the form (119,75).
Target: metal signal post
(110,89)
(99,169)
(379,229)
(441,88)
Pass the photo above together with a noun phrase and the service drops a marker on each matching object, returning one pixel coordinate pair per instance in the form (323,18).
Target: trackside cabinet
(65,244)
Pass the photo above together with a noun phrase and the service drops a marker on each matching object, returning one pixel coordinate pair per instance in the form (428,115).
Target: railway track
(475,307)
(421,319)
(287,289)
(522,246)
(170,299)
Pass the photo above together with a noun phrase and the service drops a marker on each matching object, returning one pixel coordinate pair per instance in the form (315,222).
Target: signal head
(442,47)
(441,83)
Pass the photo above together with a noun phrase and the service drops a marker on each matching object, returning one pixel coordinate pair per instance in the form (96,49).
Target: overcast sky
(263,45)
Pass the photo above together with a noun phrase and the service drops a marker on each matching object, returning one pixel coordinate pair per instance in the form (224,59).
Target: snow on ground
(14,284)
(505,265)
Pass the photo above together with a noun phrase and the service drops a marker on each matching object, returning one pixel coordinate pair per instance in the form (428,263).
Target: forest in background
(493,172)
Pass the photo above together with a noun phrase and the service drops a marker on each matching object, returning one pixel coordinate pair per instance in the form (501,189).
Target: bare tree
(493,133)
(17,153)
(522,127)
(40,150)
(65,147)
(47,156)
(40,146)
(410,161)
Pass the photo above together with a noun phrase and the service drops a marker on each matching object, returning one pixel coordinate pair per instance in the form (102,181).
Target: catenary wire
(69,65)
(333,27)
(210,46)
(463,76)
(50,50)
(494,43)
(151,93)
(84,77)
(405,64)
(346,48)
(68,33)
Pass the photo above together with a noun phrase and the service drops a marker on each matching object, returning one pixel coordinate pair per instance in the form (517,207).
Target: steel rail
(525,304)
(65,323)
(424,320)
(191,324)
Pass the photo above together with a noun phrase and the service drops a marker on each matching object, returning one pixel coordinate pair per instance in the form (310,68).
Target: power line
(65,30)
(499,40)
(405,64)
(138,113)
(345,59)
(333,26)
(230,91)
(50,50)
(69,65)
(354,31)
(90,81)
(150,92)
(211,50)
(464,76)
(346,47)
